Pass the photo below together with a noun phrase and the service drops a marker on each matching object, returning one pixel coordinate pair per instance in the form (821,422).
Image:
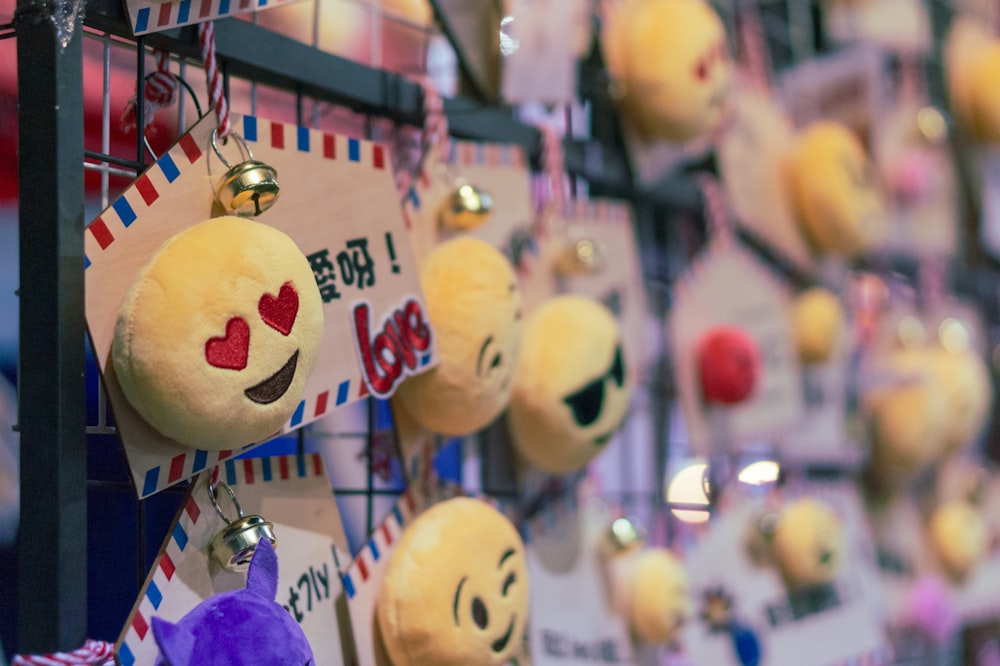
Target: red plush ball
(729,365)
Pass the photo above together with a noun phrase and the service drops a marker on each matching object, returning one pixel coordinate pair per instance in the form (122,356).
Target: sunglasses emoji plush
(571,392)
(218,334)
(455,590)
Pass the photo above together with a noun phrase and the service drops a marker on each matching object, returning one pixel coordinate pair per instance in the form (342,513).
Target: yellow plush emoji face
(660,603)
(218,334)
(835,191)
(958,537)
(909,418)
(818,322)
(455,590)
(674,66)
(474,303)
(965,382)
(983,94)
(570,389)
(808,543)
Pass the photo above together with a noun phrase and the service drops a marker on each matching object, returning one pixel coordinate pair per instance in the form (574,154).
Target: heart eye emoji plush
(218,334)
(455,591)
(570,389)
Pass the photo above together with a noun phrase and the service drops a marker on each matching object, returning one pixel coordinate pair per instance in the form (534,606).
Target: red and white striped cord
(553,170)
(753,44)
(435,120)
(93,653)
(216,98)
(718,220)
(159,90)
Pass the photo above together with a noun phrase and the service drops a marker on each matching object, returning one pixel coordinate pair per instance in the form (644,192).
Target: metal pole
(52,567)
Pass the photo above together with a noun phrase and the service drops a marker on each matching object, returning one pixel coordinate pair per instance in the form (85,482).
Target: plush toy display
(218,334)
(909,417)
(729,365)
(660,604)
(965,382)
(818,322)
(455,591)
(237,628)
(835,191)
(570,389)
(671,61)
(807,543)
(474,301)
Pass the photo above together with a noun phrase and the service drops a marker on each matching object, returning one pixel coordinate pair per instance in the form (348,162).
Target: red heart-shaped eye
(230,352)
(279,313)
(701,69)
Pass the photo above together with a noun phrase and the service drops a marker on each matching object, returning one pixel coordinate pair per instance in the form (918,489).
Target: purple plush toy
(239,628)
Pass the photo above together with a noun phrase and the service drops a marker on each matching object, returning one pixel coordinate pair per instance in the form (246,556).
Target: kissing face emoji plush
(660,604)
(455,590)
(474,303)
(570,390)
(808,543)
(217,335)
(835,190)
(671,58)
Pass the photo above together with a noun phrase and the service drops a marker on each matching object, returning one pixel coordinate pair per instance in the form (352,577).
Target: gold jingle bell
(467,207)
(249,188)
(624,535)
(579,255)
(234,546)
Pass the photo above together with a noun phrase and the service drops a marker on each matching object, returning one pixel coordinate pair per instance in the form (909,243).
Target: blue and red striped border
(359,573)
(157,16)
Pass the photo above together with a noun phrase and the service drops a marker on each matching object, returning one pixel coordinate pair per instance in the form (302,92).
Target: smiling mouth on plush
(500,643)
(276,385)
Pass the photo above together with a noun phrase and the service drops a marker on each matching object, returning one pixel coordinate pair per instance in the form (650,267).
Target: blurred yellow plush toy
(455,590)
(818,323)
(670,59)
(808,543)
(958,537)
(218,334)
(474,303)
(804,541)
(660,605)
(835,192)
(570,389)
(972,65)
(909,416)
(965,382)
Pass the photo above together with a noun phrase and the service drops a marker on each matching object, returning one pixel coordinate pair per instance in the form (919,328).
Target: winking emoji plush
(474,301)
(455,590)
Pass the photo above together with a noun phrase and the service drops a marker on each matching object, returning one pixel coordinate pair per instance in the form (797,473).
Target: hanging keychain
(234,546)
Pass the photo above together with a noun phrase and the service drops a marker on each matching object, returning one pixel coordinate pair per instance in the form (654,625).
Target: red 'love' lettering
(391,354)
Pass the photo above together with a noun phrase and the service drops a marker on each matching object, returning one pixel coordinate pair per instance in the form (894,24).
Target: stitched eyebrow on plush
(482,350)
(503,558)
(458,591)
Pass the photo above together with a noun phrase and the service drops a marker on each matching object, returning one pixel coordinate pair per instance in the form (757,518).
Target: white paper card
(572,622)
(538,43)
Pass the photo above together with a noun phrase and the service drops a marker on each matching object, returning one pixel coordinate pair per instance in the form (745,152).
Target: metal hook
(232,498)
(242,146)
